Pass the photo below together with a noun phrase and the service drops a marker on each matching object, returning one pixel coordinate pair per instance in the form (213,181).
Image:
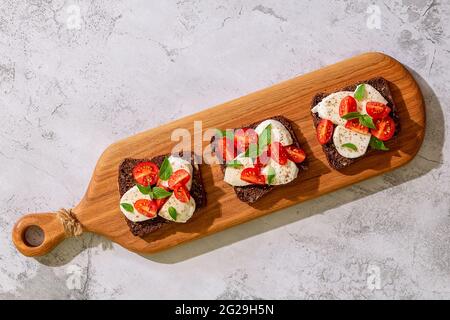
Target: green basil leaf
(350,146)
(270,175)
(128,207)
(252,151)
(359,92)
(220,133)
(351,115)
(366,121)
(166,169)
(160,193)
(225,133)
(144,190)
(173,213)
(234,164)
(377,144)
(264,139)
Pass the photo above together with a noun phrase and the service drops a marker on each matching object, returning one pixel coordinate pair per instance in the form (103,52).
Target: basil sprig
(351,115)
(173,213)
(128,207)
(229,134)
(367,121)
(144,190)
(166,169)
(377,144)
(364,119)
(350,146)
(270,175)
(234,164)
(264,139)
(252,151)
(359,92)
(155,193)
(161,193)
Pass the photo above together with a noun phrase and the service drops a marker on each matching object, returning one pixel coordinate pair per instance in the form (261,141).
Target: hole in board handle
(33,236)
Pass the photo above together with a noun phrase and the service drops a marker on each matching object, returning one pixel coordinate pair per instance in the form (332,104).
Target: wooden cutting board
(98,211)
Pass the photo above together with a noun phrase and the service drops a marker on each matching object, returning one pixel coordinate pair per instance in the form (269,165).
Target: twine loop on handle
(72,226)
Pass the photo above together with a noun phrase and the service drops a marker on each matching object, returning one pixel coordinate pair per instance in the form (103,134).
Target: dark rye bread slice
(126,182)
(335,160)
(252,193)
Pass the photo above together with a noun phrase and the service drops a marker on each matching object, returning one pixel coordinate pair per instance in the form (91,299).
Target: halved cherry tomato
(182,193)
(146,207)
(325,130)
(253,175)
(146,173)
(385,128)
(347,105)
(354,125)
(295,154)
(243,138)
(179,178)
(264,158)
(160,202)
(377,110)
(225,149)
(277,153)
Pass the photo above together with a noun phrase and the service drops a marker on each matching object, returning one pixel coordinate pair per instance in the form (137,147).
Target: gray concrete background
(72,84)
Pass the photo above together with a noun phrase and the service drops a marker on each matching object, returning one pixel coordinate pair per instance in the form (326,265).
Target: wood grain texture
(99,211)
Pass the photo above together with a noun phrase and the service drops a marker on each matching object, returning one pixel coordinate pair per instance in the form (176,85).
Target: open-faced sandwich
(354,120)
(259,157)
(159,190)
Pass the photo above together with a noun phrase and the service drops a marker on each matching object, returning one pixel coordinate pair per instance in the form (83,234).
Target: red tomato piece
(354,125)
(182,193)
(160,202)
(146,207)
(377,110)
(324,130)
(146,173)
(347,105)
(243,138)
(179,178)
(277,153)
(295,154)
(253,175)
(225,149)
(385,128)
(264,158)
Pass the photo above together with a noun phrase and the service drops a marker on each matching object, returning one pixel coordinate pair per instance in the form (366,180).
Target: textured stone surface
(69,87)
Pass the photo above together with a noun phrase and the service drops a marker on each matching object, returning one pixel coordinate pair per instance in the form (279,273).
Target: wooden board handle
(38,233)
